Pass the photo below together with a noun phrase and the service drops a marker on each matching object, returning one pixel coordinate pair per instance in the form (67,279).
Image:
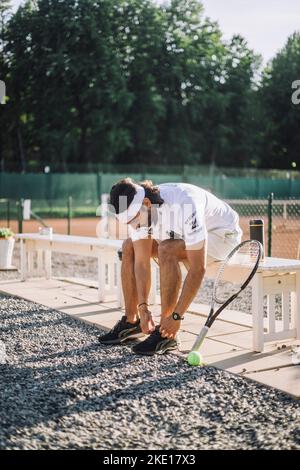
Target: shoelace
(120,325)
(153,336)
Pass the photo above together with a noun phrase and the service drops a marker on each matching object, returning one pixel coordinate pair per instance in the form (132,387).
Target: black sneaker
(121,332)
(155,344)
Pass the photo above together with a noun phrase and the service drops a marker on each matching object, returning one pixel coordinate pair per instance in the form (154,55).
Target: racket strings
(225,290)
(235,271)
(248,255)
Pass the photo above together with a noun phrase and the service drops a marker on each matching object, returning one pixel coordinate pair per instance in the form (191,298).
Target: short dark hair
(125,187)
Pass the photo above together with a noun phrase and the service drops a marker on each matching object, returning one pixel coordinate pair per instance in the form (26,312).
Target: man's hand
(147,323)
(169,327)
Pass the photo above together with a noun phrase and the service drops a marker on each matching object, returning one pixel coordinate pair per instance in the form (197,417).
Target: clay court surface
(285,236)
(83,226)
(285,243)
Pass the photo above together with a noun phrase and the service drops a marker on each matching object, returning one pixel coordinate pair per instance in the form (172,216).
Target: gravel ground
(60,389)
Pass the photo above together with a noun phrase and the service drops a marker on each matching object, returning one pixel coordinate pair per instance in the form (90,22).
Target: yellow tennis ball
(194,358)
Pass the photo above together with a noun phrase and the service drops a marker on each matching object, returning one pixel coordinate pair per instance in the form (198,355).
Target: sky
(266,24)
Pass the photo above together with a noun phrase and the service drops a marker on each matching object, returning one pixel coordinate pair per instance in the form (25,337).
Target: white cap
(134,207)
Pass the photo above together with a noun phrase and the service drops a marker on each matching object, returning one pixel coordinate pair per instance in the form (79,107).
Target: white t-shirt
(188,213)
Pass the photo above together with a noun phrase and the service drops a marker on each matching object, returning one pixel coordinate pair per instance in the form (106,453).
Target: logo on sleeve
(194,224)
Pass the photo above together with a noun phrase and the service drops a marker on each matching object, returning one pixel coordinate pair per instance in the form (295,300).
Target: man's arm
(194,229)
(196,260)
(197,264)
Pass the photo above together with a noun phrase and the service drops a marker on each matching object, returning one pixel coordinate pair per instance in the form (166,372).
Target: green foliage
(6,233)
(281,144)
(131,82)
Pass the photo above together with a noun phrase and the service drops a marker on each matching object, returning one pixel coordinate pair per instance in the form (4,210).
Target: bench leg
(295,306)
(110,274)
(30,263)
(48,264)
(258,313)
(102,277)
(23,253)
(40,267)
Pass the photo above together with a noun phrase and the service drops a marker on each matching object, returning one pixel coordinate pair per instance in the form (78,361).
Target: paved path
(228,345)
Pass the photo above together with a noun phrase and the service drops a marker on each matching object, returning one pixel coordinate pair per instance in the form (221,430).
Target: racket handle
(200,338)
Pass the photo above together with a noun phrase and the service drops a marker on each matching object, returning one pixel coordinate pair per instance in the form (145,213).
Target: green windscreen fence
(63,200)
(227,183)
(49,186)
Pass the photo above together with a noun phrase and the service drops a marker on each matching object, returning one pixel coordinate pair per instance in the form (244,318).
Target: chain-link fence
(285,228)
(66,216)
(78,217)
(281,223)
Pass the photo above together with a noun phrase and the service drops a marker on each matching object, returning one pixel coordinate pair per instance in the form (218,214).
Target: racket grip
(200,338)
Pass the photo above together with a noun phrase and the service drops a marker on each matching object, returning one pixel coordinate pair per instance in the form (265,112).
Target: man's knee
(167,251)
(127,249)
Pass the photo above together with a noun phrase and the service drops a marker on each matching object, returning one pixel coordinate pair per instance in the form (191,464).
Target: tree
(5,9)
(281,146)
(238,136)
(131,81)
(139,35)
(67,80)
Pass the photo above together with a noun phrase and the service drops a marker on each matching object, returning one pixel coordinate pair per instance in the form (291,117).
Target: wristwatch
(176,316)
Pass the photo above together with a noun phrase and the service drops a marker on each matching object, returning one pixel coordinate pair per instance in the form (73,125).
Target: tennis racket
(247,256)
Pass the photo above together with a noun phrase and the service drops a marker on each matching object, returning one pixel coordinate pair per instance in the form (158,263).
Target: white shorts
(221,242)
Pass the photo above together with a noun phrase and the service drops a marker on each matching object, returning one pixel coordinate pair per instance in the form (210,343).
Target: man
(172,223)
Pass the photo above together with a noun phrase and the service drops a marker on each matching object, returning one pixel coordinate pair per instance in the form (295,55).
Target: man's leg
(169,253)
(128,327)
(128,278)
(129,282)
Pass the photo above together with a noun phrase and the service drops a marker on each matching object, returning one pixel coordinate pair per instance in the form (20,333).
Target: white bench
(275,276)
(36,259)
